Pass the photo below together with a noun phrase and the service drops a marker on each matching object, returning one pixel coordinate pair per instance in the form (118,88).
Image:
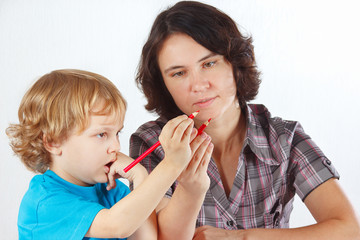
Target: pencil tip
(195,113)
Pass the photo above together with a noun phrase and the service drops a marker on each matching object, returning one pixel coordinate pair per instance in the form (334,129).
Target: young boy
(69,122)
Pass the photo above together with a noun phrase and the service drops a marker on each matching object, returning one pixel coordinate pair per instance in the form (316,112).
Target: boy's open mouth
(109,164)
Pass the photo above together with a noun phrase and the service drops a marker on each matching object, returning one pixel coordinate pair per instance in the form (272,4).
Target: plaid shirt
(278,160)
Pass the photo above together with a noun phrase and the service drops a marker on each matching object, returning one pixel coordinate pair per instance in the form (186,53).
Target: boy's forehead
(107,119)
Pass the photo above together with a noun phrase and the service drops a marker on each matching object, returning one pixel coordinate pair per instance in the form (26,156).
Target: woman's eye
(209,64)
(101,135)
(178,74)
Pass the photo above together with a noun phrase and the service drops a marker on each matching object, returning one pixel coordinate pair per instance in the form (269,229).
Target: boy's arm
(127,215)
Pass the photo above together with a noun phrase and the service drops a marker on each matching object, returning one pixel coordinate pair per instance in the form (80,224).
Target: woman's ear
(52,146)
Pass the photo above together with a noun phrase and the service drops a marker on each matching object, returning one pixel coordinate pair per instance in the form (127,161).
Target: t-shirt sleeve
(311,167)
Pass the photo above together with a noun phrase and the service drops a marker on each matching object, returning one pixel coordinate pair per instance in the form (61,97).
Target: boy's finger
(183,130)
(170,127)
(111,177)
(189,131)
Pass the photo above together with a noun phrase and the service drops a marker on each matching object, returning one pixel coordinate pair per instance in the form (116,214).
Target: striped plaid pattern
(277,160)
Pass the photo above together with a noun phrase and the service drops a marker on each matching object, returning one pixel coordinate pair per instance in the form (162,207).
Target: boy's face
(84,156)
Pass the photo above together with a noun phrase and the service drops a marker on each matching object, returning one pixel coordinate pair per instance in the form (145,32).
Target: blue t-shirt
(53,208)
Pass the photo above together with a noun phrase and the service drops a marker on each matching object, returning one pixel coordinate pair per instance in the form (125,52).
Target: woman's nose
(198,82)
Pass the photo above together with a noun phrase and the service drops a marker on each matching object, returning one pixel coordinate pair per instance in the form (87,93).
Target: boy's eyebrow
(200,60)
(107,128)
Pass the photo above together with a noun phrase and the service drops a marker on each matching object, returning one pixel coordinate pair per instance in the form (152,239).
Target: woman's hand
(212,233)
(194,178)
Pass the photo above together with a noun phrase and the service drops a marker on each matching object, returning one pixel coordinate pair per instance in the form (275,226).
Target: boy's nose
(115,145)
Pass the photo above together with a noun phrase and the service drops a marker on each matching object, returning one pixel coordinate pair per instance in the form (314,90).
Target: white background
(308,53)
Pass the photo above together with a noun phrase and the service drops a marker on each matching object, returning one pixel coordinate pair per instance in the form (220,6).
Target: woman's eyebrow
(207,56)
(172,68)
(200,60)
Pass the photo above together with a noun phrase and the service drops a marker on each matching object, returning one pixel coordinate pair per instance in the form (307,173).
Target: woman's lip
(205,102)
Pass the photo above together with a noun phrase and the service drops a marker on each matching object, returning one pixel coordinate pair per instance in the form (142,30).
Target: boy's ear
(51,146)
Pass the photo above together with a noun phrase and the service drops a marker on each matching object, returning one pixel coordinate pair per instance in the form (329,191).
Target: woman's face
(197,78)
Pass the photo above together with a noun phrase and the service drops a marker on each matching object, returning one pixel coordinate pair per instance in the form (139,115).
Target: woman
(196,59)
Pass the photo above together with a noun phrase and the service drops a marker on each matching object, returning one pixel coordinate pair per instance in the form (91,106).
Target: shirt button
(328,162)
(230,223)
(276,223)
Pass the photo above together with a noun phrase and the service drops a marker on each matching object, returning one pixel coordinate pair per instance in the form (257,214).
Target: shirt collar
(257,137)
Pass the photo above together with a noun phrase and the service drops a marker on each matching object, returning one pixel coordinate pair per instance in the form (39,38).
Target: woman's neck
(228,134)
(228,131)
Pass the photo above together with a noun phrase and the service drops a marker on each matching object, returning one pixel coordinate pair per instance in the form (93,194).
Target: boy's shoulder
(49,186)
(55,207)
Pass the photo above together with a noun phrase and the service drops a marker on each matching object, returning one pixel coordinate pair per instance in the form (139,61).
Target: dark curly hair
(212,29)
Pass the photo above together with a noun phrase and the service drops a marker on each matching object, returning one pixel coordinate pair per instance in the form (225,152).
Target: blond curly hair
(55,105)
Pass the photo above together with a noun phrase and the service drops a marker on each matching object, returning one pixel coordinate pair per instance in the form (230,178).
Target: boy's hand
(136,175)
(175,139)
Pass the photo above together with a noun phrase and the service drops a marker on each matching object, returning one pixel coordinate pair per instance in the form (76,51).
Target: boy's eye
(209,64)
(101,135)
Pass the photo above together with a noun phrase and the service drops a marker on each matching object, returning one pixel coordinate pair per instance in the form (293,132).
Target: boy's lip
(110,163)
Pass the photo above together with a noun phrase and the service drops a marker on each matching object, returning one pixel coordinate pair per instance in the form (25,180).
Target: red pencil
(203,126)
(152,148)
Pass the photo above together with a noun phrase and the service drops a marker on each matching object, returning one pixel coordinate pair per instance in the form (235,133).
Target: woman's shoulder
(151,127)
(259,115)
(145,136)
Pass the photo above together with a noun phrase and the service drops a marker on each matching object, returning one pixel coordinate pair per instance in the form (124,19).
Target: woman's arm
(336,219)
(148,230)
(177,216)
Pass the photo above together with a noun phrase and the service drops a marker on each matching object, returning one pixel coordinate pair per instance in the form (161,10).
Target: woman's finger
(199,146)
(206,158)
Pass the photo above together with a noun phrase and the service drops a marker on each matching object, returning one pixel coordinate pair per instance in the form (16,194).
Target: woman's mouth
(205,102)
